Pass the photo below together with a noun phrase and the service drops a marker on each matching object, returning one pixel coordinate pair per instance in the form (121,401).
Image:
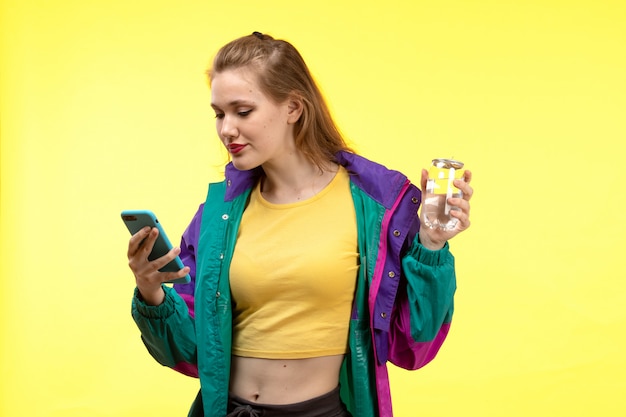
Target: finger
(463,217)
(136,241)
(462,213)
(149,271)
(467,176)
(147,244)
(171,276)
(461,203)
(165,259)
(465,188)
(424,179)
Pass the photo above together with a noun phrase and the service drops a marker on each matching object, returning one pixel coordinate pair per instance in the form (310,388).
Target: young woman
(309,266)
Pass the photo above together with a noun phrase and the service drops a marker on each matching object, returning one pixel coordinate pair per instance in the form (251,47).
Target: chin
(243,165)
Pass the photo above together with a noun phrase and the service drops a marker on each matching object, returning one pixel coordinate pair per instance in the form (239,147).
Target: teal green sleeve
(168,331)
(431,280)
(424,306)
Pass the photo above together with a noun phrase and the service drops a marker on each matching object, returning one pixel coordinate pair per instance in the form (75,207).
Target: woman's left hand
(436,238)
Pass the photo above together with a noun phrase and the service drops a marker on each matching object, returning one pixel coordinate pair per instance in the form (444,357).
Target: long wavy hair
(282,73)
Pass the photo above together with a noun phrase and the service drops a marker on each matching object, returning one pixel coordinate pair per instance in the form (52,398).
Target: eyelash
(241,114)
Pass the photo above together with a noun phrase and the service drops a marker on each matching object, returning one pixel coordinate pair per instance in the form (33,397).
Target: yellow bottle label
(439,179)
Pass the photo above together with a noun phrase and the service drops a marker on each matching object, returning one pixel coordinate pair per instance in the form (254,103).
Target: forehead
(235,85)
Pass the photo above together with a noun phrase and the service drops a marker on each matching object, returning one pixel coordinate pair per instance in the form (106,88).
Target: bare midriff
(283,381)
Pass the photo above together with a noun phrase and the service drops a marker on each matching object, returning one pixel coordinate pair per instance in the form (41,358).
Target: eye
(219,115)
(244,113)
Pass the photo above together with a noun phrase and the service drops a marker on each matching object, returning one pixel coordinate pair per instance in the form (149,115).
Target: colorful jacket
(401,311)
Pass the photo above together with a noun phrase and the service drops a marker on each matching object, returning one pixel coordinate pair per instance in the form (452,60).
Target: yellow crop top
(293,275)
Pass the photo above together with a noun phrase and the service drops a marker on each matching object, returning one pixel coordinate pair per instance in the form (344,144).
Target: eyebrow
(235,103)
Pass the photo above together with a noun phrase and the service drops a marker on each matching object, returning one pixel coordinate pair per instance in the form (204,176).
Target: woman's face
(255,130)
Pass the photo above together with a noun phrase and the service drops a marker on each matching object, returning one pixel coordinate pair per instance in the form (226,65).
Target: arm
(167,326)
(424,306)
(168,331)
(425,300)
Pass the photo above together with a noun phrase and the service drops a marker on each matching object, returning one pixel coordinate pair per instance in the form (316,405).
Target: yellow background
(105,107)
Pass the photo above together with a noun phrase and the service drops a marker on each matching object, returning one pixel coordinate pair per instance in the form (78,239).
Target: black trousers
(327,405)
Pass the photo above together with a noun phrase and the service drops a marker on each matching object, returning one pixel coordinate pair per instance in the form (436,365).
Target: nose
(228,128)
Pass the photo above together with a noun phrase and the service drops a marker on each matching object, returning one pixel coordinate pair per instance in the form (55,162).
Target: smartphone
(136,220)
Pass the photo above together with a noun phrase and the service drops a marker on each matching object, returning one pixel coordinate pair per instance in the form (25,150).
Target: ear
(295,107)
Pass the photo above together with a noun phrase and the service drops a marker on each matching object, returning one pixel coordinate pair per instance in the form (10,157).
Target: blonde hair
(282,73)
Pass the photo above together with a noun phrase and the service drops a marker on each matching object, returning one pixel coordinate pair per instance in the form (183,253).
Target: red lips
(235,148)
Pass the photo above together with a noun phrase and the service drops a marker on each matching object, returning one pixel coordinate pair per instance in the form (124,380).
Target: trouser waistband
(327,405)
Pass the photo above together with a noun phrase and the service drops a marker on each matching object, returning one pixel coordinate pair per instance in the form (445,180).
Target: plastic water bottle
(439,188)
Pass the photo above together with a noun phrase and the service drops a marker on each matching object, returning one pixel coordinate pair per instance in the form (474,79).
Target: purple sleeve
(188,248)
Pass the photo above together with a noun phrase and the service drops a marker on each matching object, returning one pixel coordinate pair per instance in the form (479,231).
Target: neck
(295,179)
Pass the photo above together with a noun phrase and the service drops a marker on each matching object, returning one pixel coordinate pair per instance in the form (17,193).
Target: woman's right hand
(147,275)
